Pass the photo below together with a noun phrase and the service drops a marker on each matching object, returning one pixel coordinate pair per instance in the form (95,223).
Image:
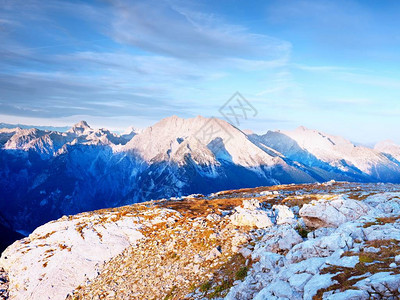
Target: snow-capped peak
(313,147)
(315,140)
(81,128)
(385,144)
(302,128)
(165,137)
(390,148)
(130,130)
(208,145)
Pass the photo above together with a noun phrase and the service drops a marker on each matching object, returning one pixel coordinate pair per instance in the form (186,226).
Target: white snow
(205,138)
(312,147)
(390,148)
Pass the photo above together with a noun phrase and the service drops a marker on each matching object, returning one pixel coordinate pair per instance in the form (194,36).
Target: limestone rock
(152,251)
(349,295)
(214,253)
(279,239)
(284,215)
(332,213)
(251,214)
(59,256)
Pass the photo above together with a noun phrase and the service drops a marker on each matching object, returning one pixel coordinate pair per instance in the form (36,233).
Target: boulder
(320,247)
(251,214)
(214,253)
(384,283)
(316,283)
(276,290)
(386,203)
(279,239)
(283,215)
(349,295)
(60,255)
(332,213)
(252,204)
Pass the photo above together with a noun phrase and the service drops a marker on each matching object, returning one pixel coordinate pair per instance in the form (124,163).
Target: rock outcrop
(60,255)
(251,214)
(332,213)
(231,245)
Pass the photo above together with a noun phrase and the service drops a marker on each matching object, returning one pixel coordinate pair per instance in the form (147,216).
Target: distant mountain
(390,149)
(326,153)
(45,174)
(53,128)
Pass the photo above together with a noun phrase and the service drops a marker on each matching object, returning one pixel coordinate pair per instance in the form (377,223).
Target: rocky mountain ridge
(46,174)
(335,240)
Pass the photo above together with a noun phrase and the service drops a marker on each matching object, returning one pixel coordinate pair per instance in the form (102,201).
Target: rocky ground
(3,284)
(320,241)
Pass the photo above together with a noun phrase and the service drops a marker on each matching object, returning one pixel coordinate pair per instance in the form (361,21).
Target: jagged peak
(305,130)
(174,123)
(302,128)
(173,118)
(81,127)
(81,124)
(176,120)
(130,130)
(200,117)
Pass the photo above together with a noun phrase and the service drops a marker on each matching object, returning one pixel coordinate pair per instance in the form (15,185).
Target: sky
(327,65)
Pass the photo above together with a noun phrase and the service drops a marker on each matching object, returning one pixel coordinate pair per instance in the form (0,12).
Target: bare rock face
(332,213)
(60,255)
(218,248)
(278,239)
(251,214)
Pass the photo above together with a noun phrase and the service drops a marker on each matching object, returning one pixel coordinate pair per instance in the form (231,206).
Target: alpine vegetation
(312,241)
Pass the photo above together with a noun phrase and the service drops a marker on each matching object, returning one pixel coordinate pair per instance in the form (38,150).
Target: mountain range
(45,174)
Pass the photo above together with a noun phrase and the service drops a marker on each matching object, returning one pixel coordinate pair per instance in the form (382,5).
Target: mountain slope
(226,155)
(47,174)
(166,138)
(333,154)
(390,149)
(315,241)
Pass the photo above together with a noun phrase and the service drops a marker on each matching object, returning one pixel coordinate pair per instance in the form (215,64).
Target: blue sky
(328,65)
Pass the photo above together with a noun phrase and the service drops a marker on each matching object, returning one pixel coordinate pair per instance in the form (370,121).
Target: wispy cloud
(321,68)
(371,79)
(146,67)
(184,33)
(60,95)
(309,62)
(351,74)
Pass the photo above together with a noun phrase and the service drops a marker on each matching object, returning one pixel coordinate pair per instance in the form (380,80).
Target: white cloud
(172,30)
(323,69)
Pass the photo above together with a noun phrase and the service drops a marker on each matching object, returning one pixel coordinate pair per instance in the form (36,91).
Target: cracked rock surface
(313,241)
